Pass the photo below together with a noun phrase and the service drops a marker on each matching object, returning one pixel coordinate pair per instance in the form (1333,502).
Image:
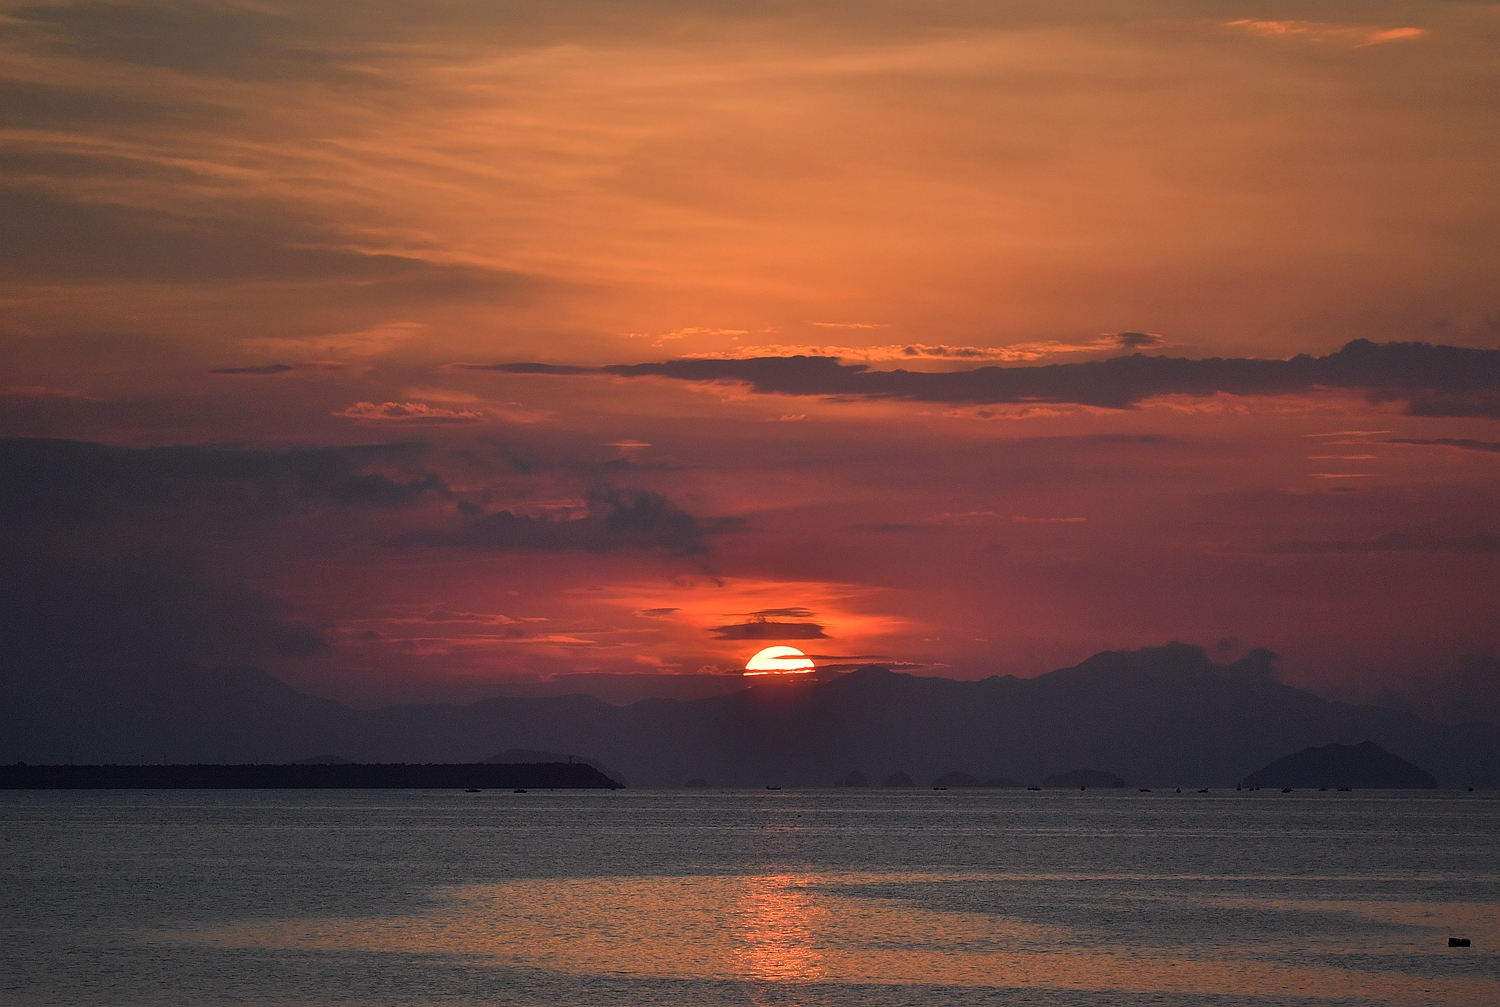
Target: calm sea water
(748,897)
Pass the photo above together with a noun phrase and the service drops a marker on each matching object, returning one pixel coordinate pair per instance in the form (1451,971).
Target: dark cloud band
(768,629)
(263,370)
(42,477)
(615,520)
(1432,380)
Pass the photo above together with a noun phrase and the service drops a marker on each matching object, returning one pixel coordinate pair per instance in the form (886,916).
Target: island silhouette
(309,775)
(1364,766)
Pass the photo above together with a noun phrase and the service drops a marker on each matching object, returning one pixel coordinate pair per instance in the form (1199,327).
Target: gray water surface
(748,897)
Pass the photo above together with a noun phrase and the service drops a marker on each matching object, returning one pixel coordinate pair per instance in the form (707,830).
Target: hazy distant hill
(1469,692)
(1162,716)
(178,713)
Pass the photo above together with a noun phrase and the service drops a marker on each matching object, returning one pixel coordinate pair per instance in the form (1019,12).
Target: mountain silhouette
(1160,716)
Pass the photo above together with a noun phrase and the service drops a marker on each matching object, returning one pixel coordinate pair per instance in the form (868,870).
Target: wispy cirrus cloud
(1462,443)
(982,520)
(326,350)
(39,392)
(1354,35)
(662,338)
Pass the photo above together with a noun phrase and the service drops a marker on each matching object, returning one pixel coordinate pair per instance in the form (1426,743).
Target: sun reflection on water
(816,928)
(779,923)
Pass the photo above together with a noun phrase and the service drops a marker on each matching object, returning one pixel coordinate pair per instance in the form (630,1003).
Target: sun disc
(779,661)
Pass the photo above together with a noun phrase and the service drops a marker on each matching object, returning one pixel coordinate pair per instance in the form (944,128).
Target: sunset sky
(320,322)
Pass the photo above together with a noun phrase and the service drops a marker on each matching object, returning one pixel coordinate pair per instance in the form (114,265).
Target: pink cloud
(407,412)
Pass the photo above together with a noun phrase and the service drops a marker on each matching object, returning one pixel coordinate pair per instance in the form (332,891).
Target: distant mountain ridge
(1159,716)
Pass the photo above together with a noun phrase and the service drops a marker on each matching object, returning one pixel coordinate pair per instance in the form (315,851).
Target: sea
(785,897)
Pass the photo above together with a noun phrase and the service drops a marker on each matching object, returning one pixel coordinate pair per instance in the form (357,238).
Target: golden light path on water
(807,927)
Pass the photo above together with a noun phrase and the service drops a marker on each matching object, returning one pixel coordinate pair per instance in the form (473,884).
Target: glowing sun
(779,661)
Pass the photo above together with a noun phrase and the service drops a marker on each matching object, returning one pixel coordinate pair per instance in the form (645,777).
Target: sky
(424,350)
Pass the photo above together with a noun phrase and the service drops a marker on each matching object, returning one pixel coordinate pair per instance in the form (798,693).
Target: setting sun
(779,661)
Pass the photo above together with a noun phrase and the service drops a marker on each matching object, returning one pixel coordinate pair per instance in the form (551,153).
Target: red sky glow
(977,338)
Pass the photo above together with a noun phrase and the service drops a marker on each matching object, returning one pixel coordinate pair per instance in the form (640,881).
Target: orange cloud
(372,342)
(663,338)
(1004,413)
(912,352)
(700,607)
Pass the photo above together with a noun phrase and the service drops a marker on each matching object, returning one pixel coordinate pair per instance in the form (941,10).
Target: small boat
(1034,787)
(773,786)
(1203,791)
(473,790)
(1286,790)
(1345,790)
(939,788)
(519,790)
(1145,790)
